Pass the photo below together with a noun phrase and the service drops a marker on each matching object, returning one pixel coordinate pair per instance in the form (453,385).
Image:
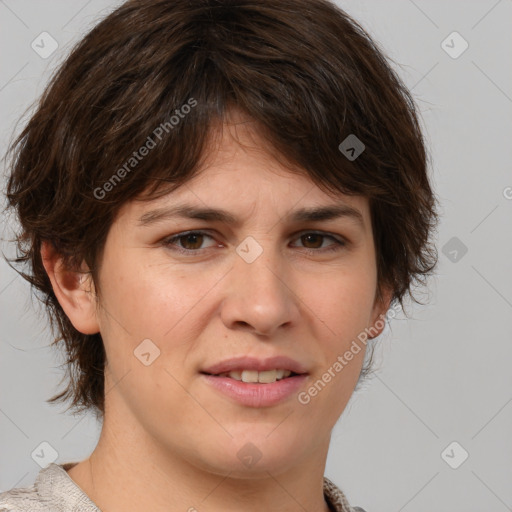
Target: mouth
(256,382)
(252,388)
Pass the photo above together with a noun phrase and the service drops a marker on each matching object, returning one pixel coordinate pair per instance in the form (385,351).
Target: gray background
(445,374)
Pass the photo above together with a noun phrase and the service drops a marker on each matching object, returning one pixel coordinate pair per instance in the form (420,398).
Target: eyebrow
(313,214)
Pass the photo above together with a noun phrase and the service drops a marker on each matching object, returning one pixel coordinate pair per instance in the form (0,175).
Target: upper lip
(252,363)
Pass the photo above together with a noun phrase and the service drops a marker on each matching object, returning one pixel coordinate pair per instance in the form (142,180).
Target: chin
(253,454)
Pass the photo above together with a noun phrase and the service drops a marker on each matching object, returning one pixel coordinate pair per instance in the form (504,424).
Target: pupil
(318,237)
(192,236)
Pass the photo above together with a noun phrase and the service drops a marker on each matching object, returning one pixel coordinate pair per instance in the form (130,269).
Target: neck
(128,471)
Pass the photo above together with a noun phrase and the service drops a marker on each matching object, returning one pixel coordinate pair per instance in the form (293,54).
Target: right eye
(193,239)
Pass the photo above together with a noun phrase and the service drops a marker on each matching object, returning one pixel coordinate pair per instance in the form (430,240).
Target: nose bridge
(259,294)
(261,256)
(258,265)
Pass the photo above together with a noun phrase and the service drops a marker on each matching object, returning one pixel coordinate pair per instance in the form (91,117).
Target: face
(266,283)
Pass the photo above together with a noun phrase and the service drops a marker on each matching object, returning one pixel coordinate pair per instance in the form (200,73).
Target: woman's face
(271,283)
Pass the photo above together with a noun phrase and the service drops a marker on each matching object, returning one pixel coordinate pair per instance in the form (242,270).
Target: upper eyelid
(298,234)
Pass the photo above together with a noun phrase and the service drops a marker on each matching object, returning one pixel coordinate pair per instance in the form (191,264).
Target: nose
(259,296)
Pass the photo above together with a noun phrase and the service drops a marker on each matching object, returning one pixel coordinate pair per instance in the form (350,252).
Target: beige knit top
(55,491)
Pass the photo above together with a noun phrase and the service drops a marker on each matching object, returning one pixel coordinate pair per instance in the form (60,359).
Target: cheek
(161,305)
(343,307)
(149,300)
(343,303)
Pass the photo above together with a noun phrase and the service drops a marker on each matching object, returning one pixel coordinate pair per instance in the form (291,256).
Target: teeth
(251,375)
(266,377)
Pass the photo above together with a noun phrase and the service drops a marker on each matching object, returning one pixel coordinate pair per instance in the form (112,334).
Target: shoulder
(22,499)
(52,491)
(336,499)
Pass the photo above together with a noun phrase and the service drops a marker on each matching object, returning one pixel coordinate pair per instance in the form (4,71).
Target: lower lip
(257,395)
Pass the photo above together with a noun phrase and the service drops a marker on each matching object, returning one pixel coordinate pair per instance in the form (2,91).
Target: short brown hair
(304,70)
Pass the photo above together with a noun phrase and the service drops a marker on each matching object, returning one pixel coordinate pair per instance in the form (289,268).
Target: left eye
(315,237)
(192,238)
(191,241)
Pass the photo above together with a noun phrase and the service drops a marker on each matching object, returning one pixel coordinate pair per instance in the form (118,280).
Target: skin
(169,441)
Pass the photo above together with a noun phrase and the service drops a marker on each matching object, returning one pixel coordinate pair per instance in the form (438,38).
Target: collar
(54,483)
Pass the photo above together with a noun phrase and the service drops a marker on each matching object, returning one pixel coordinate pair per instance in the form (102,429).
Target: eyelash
(170,242)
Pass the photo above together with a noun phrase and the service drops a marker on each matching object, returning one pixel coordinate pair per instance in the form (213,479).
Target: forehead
(241,173)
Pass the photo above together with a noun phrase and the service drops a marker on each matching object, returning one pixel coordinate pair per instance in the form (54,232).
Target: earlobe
(74,291)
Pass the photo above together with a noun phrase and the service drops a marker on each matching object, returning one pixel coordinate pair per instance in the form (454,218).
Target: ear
(380,307)
(74,291)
